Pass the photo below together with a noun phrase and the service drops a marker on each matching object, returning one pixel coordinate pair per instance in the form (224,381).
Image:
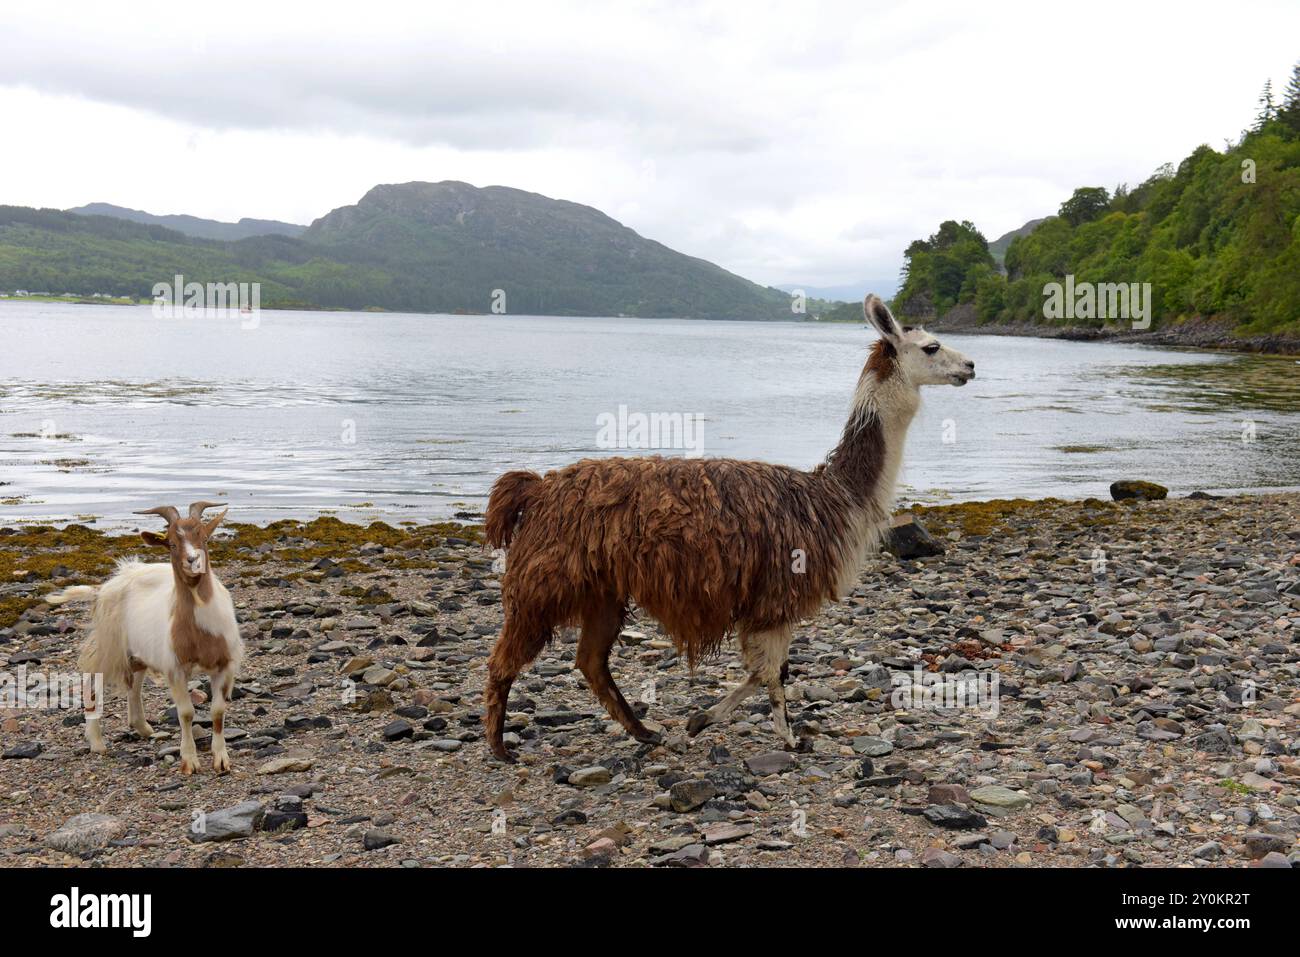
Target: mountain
(846,292)
(193,225)
(414,247)
(998,248)
(456,244)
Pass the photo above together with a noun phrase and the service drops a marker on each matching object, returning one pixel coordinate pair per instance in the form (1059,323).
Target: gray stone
(688,795)
(937,857)
(228,823)
(994,795)
(872,747)
(774,762)
(85,833)
(590,777)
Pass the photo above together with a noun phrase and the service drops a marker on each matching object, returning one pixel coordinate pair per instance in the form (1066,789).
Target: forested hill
(418,247)
(193,225)
(1217,236)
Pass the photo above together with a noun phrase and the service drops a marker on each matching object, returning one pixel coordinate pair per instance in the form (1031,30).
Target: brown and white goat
(169,619)
(707,546)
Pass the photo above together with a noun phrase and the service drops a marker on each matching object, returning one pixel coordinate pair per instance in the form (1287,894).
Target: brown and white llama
(170,618)
(709,547)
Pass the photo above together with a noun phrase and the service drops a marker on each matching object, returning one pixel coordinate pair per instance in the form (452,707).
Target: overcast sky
(787,142)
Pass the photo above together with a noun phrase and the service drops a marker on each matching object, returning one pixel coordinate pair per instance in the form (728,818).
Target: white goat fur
(131,632)
(133,619)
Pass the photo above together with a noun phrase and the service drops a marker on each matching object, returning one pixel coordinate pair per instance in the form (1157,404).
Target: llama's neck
(867,459)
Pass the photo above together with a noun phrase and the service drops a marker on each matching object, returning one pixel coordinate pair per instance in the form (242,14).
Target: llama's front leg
(780,720)
(135,707)
(223,685)
(766,656)
(185,716)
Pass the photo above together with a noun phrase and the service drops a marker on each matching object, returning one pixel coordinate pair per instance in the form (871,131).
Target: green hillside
(418,247)
(1216,236)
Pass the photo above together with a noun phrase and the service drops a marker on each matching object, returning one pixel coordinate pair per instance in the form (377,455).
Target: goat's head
(913,353)
(186,538)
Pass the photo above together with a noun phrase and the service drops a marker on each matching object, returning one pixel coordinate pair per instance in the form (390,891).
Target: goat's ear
(211,524)
(153,538)
(882,319)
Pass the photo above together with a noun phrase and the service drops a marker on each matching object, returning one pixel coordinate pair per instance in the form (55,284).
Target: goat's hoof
(503,755)
(189,765)
(699,721)
(144,731)
(221,763)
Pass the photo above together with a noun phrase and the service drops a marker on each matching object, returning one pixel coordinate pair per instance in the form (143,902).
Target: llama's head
(912,353)
(186,539)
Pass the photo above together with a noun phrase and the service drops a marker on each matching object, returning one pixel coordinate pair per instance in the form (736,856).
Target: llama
(170,619)
(709,547)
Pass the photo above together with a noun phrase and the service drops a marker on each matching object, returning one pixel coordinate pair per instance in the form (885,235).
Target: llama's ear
(881,318)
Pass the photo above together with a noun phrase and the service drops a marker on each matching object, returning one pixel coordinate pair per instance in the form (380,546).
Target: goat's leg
(135,706)
(223,684)
(600,629)
(94,711)
(185,716)
(515,648)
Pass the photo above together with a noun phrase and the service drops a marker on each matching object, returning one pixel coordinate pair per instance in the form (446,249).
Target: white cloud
(802,143)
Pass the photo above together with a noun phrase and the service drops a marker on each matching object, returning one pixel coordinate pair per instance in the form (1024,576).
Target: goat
(709,547)
(169,619)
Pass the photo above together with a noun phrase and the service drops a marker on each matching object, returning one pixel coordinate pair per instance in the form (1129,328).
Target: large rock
(85,833)
(228,823)
(590,777)
(993,795)
(688,795)
(908,538)
(774,762)
(1131,488)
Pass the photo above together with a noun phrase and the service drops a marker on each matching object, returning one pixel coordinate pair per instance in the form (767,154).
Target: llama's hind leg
(764,654)
(600,629)
(719,712)
(515,648)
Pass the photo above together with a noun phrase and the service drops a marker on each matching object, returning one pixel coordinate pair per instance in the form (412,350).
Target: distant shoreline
(1193,334)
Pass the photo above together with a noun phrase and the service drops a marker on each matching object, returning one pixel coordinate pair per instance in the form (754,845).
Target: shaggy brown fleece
(706,546)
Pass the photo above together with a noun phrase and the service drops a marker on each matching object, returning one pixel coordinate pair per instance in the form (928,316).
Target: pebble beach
(1137,662)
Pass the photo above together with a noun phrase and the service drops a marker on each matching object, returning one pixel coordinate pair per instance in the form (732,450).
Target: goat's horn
(196,510)
(166,511)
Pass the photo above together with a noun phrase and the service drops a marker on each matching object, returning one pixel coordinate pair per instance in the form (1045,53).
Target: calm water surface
(410,417)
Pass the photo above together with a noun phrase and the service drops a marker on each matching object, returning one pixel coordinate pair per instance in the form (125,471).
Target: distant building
(21,292)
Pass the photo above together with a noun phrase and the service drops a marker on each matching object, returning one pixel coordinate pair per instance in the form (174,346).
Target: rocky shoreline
(1138,661)
(1191,334)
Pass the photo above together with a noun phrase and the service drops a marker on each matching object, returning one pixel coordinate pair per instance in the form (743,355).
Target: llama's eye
(931,349)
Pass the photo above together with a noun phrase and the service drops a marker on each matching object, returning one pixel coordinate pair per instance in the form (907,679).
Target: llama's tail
(76,593)
(511,496)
